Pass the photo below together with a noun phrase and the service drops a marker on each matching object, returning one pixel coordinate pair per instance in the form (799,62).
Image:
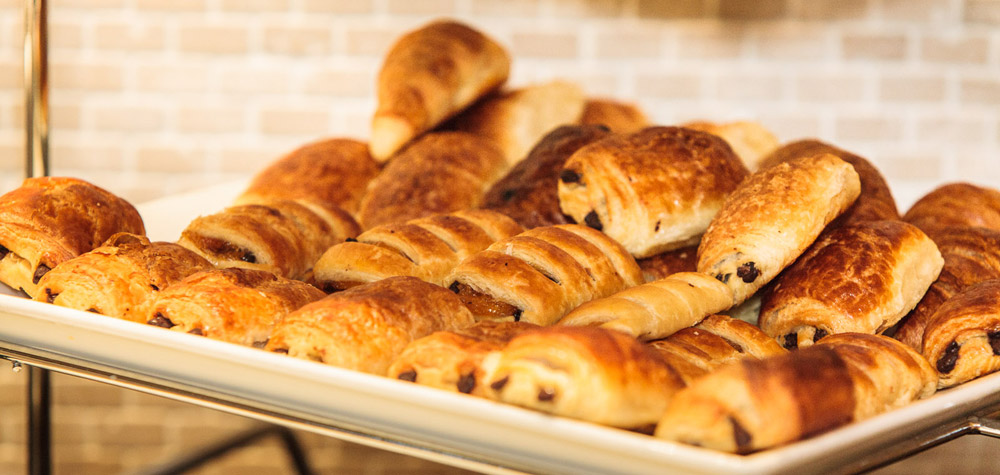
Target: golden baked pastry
(452,359)
(620,117)
(665,264)
(750,140)
(236,305)
(365,328)
(861,278)
(426,248)
(772,217)
(955,205)
(656,309)
(439,173)
(542,273)
(756,404)
(49,220)
(428,75)
(119,277)
(654,190)
(962,338)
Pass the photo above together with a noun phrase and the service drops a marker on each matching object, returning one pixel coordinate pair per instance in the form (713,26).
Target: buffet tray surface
(447,427)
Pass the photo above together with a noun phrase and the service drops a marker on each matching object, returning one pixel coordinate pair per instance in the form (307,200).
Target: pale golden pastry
(235,305)
(365,328)
(542,273)
(955,205)
(453,359)
(439,173)
(962,338)
(49,220)
(860,278)
(654,190)
(667,263)
(619,117)
(750,140)
(772,218)
(593,374)
(428,75)
(656,309)
(426,248)
(756,404)
(118,278)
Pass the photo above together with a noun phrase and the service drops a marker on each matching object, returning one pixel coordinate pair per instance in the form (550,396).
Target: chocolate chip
(791,341)
(820,333)
(593,220)
(740,436)
(154,287)
(467,383)
(39,272)
(748,272)
(248,257)
(657,227)
(161,320)
(546,394)
(49,296)
(569,176)
(500,383)
(994,338)
(410,376)
(454,287)
(517,315)
(604,127)
(724,278)
(196,331)
(3,252)
(259,344)
(283,351)
(350,240)
(93,310)
(569,219)
(508,194)
(947,361)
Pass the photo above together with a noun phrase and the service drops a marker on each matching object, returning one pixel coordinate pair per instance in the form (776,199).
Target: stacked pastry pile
(543,249)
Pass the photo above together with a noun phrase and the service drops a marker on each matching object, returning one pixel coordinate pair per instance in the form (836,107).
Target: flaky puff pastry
(955,205)
(620,117)
(332,171)
(665,264)
(593,374)
(542,273)
(772,218)
(654,190)
(49,220)
(365,328)
(236,305)
(861,278)
(452,360)
(750,140)
(439,173)
(426,248)
(756,404)
(656,309)
(428,75)
(118,278)
(962,338)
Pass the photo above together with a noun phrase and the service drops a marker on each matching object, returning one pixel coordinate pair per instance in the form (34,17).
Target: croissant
(955,205)
(667,263)
(49,220)
(751,141)
(619,117)
(962,338)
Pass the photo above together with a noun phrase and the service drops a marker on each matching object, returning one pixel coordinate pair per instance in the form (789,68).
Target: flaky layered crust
(236,305)
(592,374)
(119,278)
(439,173)
(529,191)
(667,263)
(756,404)
(428,75)
(772,217)
(962,338)
(956,205)
(861,278)
(751,141)
(654,190)
(49,220)
(365,328)
(620,117)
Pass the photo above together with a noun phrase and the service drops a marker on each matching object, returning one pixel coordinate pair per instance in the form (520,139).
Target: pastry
(49,220)
(428,75)
(756,404)
(542,273)
(750,140)
(439,173)
(962,338)
(528,192)
(119,277)
(365,328)
(955,205)
(861,278)
(619,117)
(772,217)
(426,248)
(665,264)
(654,190)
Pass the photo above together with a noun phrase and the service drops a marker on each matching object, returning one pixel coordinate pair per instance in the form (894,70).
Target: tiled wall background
(153,97)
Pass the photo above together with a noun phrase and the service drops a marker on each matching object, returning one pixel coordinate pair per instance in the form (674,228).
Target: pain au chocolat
(962,338)
(620,117)
(956,205)
(750,140)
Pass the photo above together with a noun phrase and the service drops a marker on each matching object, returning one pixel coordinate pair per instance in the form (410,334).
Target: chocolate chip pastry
(620,117)
(751,141)
(667,263)
(962,338)
(956,205)
(49,220)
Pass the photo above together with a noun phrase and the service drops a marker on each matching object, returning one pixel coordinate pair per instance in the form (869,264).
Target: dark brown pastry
(956,205)
(962,338)
(665,264)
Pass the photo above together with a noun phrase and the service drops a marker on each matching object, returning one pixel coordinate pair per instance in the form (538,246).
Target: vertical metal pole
(39,422)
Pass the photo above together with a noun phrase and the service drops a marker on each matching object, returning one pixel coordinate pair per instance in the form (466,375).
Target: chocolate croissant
(667,263)
(540,274)
(962,338)
(751,141)
(756,404)
(426,248)
(654,190)
(619,117)
(956,205)
(120,277)
(49,220)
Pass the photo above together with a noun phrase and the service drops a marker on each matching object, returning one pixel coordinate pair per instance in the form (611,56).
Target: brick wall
(152,97)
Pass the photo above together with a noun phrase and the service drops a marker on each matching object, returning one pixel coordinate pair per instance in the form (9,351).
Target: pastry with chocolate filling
(426,248)
(620,117)
(365,328)
(962,338)
(529,191)
(772,218)
(754,404)
(118,278)
(453,359)
(654,190)
(439,173)
(50,220)
(428,75)
(750,140)
(956,205)
(597,375)
(668,263)
(235,305)
(656,309)
(542,273)
(861,278)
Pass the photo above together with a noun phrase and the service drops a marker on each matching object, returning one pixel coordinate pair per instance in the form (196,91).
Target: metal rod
(39,422)
(240,440)
(36,88)
(988,426)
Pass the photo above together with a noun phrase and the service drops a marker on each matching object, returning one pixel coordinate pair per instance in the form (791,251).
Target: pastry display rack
(449,428)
